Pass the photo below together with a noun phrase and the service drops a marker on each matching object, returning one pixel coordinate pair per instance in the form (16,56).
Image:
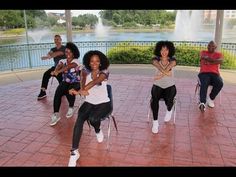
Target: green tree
(116,18)
(52,20)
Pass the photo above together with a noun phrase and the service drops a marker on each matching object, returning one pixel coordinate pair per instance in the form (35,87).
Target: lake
(203,36)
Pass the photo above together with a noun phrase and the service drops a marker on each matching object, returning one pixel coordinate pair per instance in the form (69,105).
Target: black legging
(168,94)
(63,89)
(93,113)
(47,75)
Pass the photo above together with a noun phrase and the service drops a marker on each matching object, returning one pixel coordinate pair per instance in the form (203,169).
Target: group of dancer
(89,79)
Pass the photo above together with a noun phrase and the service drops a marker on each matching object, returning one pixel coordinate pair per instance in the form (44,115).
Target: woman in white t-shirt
(70,69)
(97,103)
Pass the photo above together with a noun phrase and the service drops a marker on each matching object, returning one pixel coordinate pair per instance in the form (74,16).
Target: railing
(17,56)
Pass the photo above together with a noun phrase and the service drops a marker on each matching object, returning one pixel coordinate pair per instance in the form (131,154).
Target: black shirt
(58,58)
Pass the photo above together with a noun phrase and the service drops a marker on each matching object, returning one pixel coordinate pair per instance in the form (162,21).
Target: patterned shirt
(73,74)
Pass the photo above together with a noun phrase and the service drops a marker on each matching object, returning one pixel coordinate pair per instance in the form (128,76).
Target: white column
(68,25)
(219,28)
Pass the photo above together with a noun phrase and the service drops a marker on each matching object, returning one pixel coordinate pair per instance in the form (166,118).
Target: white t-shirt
(98,93)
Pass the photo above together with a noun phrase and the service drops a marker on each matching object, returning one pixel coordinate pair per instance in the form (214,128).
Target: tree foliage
(142,17)
(10,19)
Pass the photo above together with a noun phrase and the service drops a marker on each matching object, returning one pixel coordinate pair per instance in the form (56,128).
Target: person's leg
(59,78)
(44,84)
(99,112)
(83,115)
(169,95)
(156,95)
(46,77)
(204,79)
(71,100)
(60,91)
(57,103)
(217,83)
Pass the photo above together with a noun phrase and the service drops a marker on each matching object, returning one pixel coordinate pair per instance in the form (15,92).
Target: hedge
(186,55)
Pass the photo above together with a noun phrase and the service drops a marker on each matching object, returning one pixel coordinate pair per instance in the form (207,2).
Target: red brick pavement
(197,139)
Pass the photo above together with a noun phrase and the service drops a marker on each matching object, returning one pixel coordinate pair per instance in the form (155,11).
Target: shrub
(125,53)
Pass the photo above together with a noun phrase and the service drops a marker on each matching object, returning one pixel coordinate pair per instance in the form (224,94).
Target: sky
(76,12)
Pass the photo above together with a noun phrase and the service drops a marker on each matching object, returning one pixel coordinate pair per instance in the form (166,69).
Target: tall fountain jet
(37,34)
(187,25)
(101,31)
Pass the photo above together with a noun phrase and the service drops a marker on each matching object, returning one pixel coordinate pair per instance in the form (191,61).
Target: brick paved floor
(197,139)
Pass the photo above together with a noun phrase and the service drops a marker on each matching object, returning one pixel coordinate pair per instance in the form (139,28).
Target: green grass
(16,31)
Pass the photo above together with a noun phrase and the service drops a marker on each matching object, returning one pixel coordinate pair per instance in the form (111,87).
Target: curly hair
(104,62)
(74,49)
(168,44)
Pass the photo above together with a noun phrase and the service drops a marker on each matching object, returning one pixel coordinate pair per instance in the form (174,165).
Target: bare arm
(67,67)
(52,54)
(61,68)
(165,71)
(83,75)
(95,81)
(83,78)
(85,88)
(58,67)
(55,54)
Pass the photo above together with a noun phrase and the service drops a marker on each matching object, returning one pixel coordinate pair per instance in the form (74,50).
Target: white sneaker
(55,118)
(70,112)
(210,103)
(168,115)
(100,136)
(74,156)
(155,126)
(202,107)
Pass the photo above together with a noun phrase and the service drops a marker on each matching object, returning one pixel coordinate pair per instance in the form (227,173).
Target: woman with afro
(97,103)
(70,69)
(164,84)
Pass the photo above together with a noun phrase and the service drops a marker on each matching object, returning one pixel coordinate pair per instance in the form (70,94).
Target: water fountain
(101,31)
(37,34)
(187,25)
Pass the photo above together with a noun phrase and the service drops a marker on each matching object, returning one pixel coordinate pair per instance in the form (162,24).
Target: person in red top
(210,61)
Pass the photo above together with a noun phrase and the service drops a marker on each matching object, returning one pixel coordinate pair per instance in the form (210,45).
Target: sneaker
(100,136)
(202,107)
(74,156)
(42,95)
(168,115)
(210,103)
(70,112)
(55,118)
(155,126)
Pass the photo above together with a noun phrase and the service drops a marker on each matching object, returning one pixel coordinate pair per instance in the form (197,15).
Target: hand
(205,57)
(44,57)
(83,92)
(54,73)
(73,92)
(159,76)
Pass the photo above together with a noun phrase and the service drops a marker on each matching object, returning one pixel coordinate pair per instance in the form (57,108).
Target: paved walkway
(197,139)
